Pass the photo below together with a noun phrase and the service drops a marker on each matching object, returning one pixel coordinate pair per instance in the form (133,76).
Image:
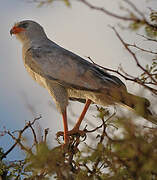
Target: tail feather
(139,104)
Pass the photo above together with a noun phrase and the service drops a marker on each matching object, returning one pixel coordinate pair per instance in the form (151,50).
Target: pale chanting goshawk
(68,76)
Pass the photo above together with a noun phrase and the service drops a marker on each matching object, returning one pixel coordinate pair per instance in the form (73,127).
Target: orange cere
(16,30)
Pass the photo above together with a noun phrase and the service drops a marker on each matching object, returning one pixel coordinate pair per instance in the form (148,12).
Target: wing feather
(55,63)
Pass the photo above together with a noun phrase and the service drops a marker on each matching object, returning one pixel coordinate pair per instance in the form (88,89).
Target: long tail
(139,104)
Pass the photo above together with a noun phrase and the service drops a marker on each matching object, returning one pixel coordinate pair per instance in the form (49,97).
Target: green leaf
(67,3)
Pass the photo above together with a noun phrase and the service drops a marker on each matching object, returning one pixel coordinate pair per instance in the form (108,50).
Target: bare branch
(8,151)
(109,13)
(132,17)
(18,139)
(135,8)
(103,123)
(136,80)
(46,133)
(142,49)
(134,56)
(34,134)
(147,38)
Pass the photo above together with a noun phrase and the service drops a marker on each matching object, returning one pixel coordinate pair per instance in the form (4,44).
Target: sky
(77,29)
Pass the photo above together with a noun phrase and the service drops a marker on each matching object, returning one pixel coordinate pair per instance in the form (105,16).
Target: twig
(137,80)
(94,170)
(109,13)
(135,8)
(45,134)
(85,165)
(145,50)
(8,151)
(34,134)
(17,140)
(134,56)
(103,123)
(133,18)
(147,38)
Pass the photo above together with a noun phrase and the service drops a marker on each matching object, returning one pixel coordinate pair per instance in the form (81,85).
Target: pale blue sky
(78,29)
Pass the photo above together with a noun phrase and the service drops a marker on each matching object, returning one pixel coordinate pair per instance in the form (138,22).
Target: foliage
(42,2)
(132,155)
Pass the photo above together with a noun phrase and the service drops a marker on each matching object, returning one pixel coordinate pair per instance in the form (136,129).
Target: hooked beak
(16,30)
(11,32)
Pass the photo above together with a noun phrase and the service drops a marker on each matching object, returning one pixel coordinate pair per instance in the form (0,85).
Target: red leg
(65,123)
(78,123)
(75,130)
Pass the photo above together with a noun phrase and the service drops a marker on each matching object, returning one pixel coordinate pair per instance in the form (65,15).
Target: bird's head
(27,30)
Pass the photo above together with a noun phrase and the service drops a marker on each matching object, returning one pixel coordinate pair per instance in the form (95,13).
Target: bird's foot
(74,131)
(72,139)
(71,146)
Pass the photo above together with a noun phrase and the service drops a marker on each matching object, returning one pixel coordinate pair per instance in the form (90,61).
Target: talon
(79,132)
(72,132)
(60,133)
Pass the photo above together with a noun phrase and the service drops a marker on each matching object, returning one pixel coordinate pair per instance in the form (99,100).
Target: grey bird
(68,76)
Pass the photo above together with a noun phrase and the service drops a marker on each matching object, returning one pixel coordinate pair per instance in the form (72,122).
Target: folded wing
(68,69)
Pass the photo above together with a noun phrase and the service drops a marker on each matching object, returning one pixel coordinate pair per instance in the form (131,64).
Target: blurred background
(78,29)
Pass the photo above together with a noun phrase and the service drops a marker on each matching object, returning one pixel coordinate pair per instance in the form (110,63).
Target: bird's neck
(26,45)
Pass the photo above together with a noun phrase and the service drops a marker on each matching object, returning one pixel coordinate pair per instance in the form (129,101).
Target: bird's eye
(23,25)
